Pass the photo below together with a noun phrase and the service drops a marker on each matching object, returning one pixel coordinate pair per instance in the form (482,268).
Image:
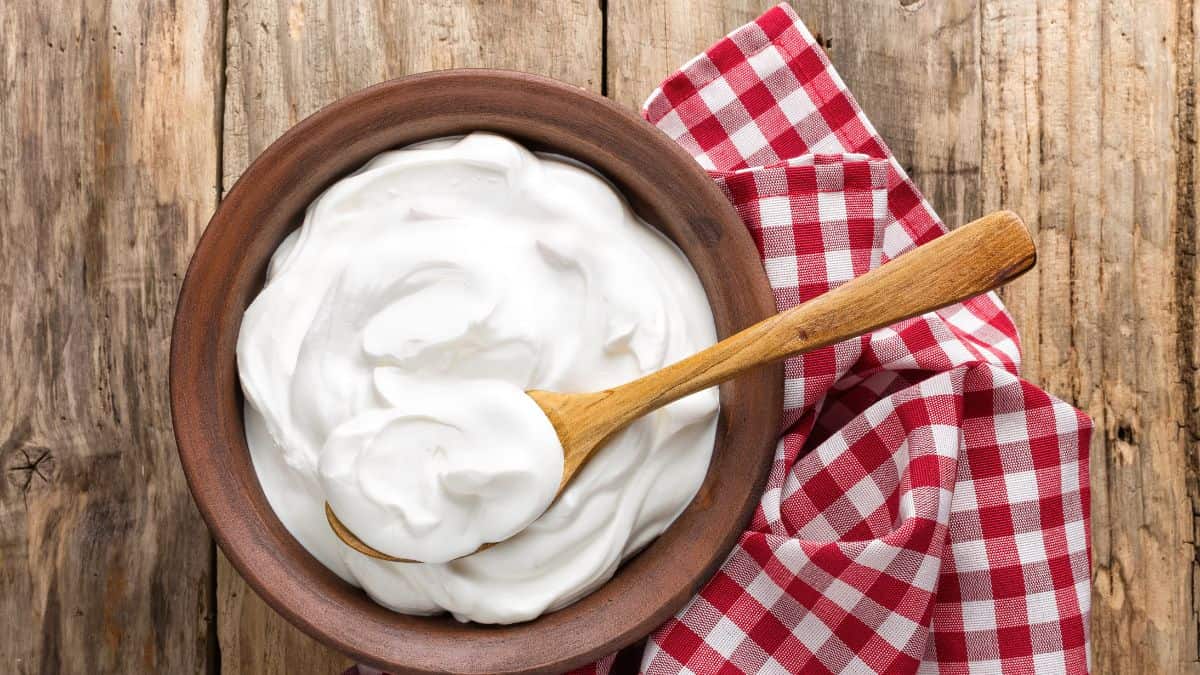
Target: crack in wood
(1185,280)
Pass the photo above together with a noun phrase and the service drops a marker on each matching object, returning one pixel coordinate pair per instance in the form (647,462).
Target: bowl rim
(207,438)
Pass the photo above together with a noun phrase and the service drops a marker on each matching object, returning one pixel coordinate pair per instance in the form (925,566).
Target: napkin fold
(927,509)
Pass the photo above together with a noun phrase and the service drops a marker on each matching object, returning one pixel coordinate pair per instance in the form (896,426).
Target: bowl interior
(668,190)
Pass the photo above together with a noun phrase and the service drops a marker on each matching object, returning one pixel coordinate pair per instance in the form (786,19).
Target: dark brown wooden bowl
(666,187)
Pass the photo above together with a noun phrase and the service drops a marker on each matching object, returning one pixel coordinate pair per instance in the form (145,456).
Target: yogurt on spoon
(386,359)
(481,462)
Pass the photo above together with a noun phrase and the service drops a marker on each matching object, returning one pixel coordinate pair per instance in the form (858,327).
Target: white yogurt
(386,359)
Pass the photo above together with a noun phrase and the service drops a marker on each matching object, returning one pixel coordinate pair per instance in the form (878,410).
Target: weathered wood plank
(108,171)
(254,639)
(649,40)
(1090,132)
(288,58)
(914,70)
(285,60)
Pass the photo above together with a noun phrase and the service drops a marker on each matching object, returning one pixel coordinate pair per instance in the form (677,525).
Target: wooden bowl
(667,188)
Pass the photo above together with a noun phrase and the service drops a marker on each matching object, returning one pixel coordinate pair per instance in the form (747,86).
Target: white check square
(782,271)
(775,212)
(979,615)
(717,94)
(749,139)
(767,62)
(839,266)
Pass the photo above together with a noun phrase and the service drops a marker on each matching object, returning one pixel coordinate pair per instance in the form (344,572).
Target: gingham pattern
(927,510)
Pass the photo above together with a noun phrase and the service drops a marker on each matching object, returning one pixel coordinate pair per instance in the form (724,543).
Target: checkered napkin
(927,510)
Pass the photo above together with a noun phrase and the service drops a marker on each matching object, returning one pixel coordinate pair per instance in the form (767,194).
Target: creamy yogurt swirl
(385,363)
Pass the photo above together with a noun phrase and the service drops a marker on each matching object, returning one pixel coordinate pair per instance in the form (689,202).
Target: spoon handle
(970,260)
(973,259)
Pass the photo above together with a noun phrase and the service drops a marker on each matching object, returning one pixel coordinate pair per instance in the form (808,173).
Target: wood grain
(108,168)
(1091,129)
(646,41)
(288,58)
(255,639)
(913,65)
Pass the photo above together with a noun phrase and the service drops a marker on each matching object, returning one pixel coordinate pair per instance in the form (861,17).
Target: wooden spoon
(973,259)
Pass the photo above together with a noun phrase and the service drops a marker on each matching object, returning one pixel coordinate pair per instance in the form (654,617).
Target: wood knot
(29,467)
(1125,434)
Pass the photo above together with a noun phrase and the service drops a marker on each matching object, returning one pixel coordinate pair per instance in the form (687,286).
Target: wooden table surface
(121,123)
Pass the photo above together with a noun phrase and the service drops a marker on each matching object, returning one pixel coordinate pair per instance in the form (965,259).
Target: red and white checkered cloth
(927,510)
